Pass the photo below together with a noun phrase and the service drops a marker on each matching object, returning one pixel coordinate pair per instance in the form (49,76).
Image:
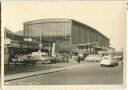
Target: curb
(30,74)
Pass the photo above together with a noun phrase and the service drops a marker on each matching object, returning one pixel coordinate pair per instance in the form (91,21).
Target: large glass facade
(85,34)
(54,32)
(69,31)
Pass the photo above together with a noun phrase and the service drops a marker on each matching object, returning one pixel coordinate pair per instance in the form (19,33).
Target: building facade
(53,30)
(82,33)
(14,44)
(63,31)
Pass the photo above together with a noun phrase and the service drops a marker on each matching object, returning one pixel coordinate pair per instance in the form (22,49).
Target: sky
(108,17)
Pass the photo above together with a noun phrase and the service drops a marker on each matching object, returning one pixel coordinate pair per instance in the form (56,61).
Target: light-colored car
(74,58)
(42,56)
(93,58)
(108,61)
(25,59)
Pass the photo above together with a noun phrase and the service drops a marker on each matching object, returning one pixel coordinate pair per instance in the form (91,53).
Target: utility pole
(122,53)
(40,45)
(49,48)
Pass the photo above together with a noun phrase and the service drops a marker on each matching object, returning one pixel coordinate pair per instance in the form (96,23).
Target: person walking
(67,58)
(79,59)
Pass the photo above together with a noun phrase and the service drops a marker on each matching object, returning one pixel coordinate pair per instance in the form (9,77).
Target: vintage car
(42,57)
(74,58)
(25,60)
(60,58)
(93,58)
(119,58)
(108,61)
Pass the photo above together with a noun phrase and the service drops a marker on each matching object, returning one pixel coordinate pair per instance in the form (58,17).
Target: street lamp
(40,45)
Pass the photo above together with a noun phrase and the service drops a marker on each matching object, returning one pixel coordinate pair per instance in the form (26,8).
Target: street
(92,73)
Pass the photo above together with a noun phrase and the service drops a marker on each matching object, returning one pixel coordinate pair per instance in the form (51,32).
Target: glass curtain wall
(54,32)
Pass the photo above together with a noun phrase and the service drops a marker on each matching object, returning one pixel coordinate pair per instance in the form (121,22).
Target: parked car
(108,61)
(74,58)
(60,58)
(118,58)
(93,58)
(42,56)
(25,59)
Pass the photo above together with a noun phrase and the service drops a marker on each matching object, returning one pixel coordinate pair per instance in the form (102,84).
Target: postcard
(63,44)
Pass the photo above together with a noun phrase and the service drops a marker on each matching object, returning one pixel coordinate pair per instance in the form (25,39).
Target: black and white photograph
(64,43)
(0,44)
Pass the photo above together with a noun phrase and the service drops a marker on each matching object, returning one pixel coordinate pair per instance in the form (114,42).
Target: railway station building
(66,32)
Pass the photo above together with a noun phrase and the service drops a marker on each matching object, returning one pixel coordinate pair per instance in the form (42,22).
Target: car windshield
(106,57)
(93,55)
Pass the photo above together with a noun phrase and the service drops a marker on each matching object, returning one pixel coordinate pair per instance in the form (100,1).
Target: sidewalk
(30,68)
(47,71)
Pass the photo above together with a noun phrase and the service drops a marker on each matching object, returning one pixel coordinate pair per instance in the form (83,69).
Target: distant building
(20,33)
(14,44)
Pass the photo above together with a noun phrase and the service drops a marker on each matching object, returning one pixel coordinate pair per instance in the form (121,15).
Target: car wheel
(34,63)
(111,65)
(102,65)
(115,64)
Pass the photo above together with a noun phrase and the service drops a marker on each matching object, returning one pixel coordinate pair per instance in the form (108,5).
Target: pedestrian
(16,57)
(55,59)
(79,59)
(67,58)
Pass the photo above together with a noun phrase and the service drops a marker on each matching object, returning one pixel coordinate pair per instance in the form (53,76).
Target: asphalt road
(91,73)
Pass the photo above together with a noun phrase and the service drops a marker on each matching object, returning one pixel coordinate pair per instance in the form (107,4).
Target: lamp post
(40,45)
(122,53)
(49,48)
